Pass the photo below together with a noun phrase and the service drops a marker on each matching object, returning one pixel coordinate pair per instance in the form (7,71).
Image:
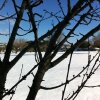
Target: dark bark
(38,79)
(36,85)
(2,84)
(3,75)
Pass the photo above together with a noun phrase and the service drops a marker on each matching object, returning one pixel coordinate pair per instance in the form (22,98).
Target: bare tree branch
(59,3)
(3,5)
(63,92)
(13,35)
(15,6)
(90,33)
(31,16)
(69,6)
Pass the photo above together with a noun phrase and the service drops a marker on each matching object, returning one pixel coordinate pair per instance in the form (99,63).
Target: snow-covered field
(54,77)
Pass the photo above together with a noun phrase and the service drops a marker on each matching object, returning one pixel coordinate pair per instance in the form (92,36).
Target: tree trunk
(2,85)
(37,80)
(3,75)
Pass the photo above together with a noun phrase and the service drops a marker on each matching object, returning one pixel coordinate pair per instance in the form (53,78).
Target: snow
(54,77)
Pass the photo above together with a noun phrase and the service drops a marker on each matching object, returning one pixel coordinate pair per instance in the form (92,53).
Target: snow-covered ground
(54,77)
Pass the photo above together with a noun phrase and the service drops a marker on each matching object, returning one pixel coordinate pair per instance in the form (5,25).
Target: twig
(23,78)
(31,16)
(59,3)
(17,85)
(67,82)
(63,92)
(3,5)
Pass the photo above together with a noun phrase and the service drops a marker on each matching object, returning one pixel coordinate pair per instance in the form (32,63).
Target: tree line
(19,44)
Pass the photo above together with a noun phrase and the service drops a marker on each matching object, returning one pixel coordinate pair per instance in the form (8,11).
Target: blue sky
(51,6)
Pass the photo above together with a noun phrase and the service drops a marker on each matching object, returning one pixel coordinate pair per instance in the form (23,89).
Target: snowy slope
(54,77)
